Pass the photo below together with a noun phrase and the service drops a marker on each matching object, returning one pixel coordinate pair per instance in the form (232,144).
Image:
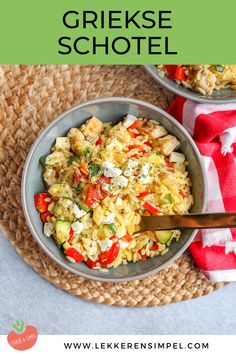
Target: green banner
(117,32)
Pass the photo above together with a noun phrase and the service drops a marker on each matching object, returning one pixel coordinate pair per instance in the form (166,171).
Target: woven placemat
(31,97)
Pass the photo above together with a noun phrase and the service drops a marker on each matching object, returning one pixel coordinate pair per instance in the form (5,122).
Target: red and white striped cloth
(213,128)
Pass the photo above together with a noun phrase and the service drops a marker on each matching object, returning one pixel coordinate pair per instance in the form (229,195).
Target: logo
(23,337)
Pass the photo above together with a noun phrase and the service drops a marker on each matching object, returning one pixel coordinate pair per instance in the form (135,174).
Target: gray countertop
(25,295)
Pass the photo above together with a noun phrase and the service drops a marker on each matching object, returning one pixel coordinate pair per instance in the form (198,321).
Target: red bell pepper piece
(95,194)
(127,238)
(144,193)
(104,180)
(71,234)
(45,215)
(99,141)
(133,134)
(154,248)
(92,196)
(175,72)
(81,172)
(143,256)
(73,253)
(171,70)
(152,208)
(42,201)
(91,264)
(109,256)
(148,143)
(168,163)
(183,194)
(78,178)
(139,147)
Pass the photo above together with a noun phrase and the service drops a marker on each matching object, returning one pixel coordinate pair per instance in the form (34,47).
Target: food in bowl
(201,78)
(100,179)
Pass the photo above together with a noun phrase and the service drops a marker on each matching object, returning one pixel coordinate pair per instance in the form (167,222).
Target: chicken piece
(166,145)
(55,158)
(62,143)
(75,134)
(92,127)
(77,141)
(158,132)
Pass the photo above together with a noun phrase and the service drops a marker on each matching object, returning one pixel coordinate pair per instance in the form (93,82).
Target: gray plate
(225,95)
(108,110)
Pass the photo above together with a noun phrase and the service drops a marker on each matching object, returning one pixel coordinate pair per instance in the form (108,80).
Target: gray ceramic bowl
(110,109)
(225,95)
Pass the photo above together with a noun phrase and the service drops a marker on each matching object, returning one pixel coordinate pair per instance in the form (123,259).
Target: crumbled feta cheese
(129,120)
(131,166)
(110,170)
(105,244)
(109,219)
(145,169)
(78,212)
(48,229)
(177,157)
(158,132)
(77,227)
(145,179)
(119,181)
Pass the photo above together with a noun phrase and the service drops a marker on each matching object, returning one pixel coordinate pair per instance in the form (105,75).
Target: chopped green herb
(86,151)
(42,160)
(220,68)
(74,158)
(112,228)
(168,196)
(94,170)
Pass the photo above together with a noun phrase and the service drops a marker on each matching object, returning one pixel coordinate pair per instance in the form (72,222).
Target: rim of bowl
(178,91)
(31,224)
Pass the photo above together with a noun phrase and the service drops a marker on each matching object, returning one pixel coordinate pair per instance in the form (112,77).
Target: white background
(24,295)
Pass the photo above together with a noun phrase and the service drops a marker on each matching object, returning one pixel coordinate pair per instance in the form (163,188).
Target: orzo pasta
(100,179)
